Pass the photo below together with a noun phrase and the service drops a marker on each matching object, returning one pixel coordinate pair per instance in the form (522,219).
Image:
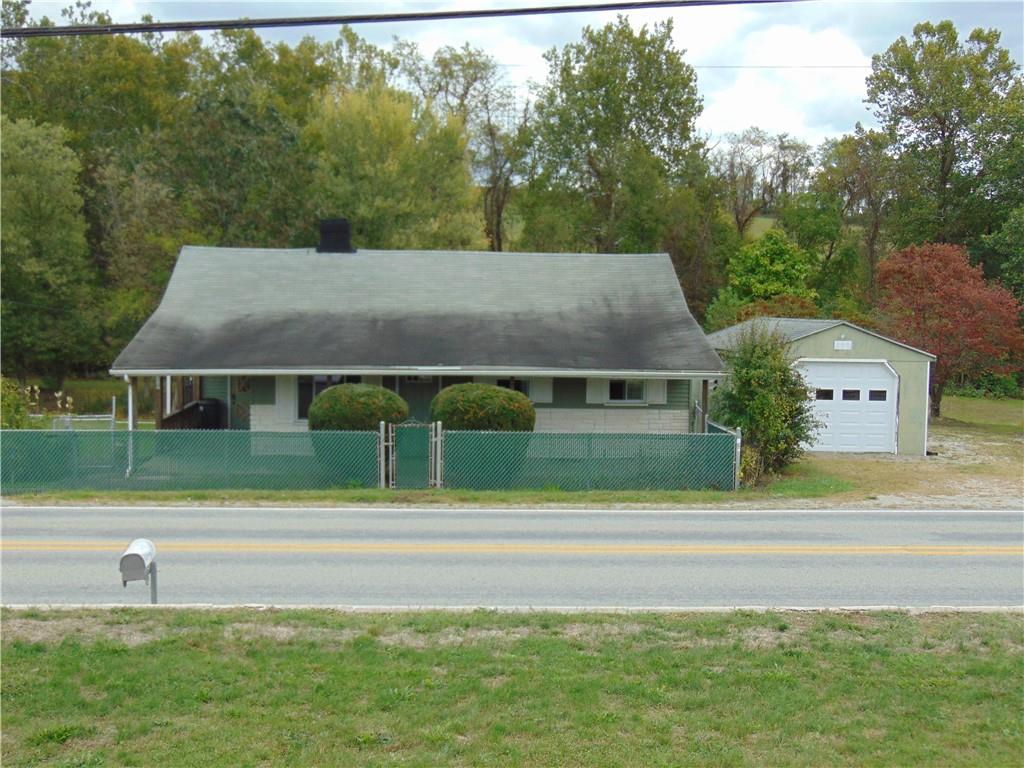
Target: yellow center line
(453,548)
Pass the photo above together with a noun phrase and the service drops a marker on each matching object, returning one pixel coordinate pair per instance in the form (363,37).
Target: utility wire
(366,18)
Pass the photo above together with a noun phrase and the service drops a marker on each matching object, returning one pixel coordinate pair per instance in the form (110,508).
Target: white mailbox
(138,563)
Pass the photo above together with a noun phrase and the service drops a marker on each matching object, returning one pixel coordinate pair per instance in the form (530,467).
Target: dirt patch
(285,633)
(85,629)
(452,636)
(604,631)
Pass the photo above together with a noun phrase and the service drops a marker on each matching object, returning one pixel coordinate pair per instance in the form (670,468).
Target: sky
(795,68)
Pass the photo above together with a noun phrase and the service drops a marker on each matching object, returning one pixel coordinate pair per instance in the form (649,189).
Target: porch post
(704,405)
(132,403)
(158,403)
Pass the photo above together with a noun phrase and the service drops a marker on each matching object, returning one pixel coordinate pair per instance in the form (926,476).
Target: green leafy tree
(766,397)
(49,322)
(771,266)
(144,225)
(813,221)
(401,175)
(953,112)
(614,122)
(466,83)
(1007,246)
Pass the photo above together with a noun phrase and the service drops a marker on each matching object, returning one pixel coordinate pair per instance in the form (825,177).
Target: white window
(311,386)
(626,390)
(519,385)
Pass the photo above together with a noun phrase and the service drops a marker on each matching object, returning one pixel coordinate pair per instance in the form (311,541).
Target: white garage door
(855,403)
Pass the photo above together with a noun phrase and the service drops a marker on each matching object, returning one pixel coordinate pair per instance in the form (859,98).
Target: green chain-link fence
(39,461)
(34,460)
(494,460)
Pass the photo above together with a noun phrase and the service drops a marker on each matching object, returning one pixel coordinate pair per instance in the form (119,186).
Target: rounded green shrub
(483,407)
(352,407)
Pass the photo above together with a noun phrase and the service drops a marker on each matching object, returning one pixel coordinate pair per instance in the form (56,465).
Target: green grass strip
(175,687)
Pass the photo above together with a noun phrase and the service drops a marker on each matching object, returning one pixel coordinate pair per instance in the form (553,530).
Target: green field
(248,688)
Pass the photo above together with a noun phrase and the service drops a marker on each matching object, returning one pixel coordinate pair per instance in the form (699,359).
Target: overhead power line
(365,18)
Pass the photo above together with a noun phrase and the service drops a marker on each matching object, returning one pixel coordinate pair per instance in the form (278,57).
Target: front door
(418,391)
(241,399)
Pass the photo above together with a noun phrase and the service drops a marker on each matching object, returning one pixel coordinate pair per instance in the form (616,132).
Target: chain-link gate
(411,455)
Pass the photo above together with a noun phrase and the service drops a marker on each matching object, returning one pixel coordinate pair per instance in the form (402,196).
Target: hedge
(483,407)
(350,407)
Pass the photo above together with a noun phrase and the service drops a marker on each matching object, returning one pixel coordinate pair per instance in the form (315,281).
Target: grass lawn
(985,413)
(236,687)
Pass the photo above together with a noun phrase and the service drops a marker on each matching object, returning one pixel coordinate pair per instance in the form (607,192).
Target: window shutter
(485,379)
(597,391)
(657,391)
(541,390)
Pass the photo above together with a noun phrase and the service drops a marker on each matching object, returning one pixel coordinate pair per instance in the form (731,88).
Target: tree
(953,113)
(402,177)
(782,305)
(699,240)
(466,83)
(771,266)
(49,324)
(766,397)
(1007,245)
(933,299)
(614,123)
(814,221)
(759,170)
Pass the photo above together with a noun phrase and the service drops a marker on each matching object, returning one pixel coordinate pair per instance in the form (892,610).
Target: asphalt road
(506,558)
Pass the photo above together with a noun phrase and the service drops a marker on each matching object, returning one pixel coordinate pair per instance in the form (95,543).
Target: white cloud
(796,80)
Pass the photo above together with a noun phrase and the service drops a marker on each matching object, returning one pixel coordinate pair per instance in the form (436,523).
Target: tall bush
(355,407)
(483,407)
(768,399)
(14,405)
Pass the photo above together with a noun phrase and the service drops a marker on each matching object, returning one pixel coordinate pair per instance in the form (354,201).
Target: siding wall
(912,368)
(216,388)
(281,415)
(568,412)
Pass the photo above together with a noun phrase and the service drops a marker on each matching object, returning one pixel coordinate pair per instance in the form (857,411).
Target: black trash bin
(209,413)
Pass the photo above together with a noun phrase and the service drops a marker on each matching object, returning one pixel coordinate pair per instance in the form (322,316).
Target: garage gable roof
(280,310)
(792,329)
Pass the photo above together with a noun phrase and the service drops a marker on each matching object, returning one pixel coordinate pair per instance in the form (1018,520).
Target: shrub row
(462,406)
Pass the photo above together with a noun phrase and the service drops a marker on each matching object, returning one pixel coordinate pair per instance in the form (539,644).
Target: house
(870,392)
(245,338)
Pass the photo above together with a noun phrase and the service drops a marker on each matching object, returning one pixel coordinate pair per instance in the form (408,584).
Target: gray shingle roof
(789,328)
(263,309)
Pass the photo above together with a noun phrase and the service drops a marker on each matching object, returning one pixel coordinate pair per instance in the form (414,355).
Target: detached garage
(870,392)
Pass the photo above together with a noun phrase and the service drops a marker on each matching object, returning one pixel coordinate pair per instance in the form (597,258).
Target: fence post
(382,474)
(439,456)
(392,445)
(738,457)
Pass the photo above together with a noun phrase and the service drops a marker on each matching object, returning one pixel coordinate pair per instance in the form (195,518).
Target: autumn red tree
(932,298)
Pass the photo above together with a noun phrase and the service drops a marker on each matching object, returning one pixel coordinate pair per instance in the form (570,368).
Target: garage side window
(823,394)
(877,395)
(851,394)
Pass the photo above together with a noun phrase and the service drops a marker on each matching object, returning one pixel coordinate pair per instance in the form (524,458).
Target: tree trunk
(935,396)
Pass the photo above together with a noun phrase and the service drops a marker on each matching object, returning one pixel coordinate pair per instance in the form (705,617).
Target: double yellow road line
(456,548)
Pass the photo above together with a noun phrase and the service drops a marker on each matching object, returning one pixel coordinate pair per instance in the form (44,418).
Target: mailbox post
(138,563)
